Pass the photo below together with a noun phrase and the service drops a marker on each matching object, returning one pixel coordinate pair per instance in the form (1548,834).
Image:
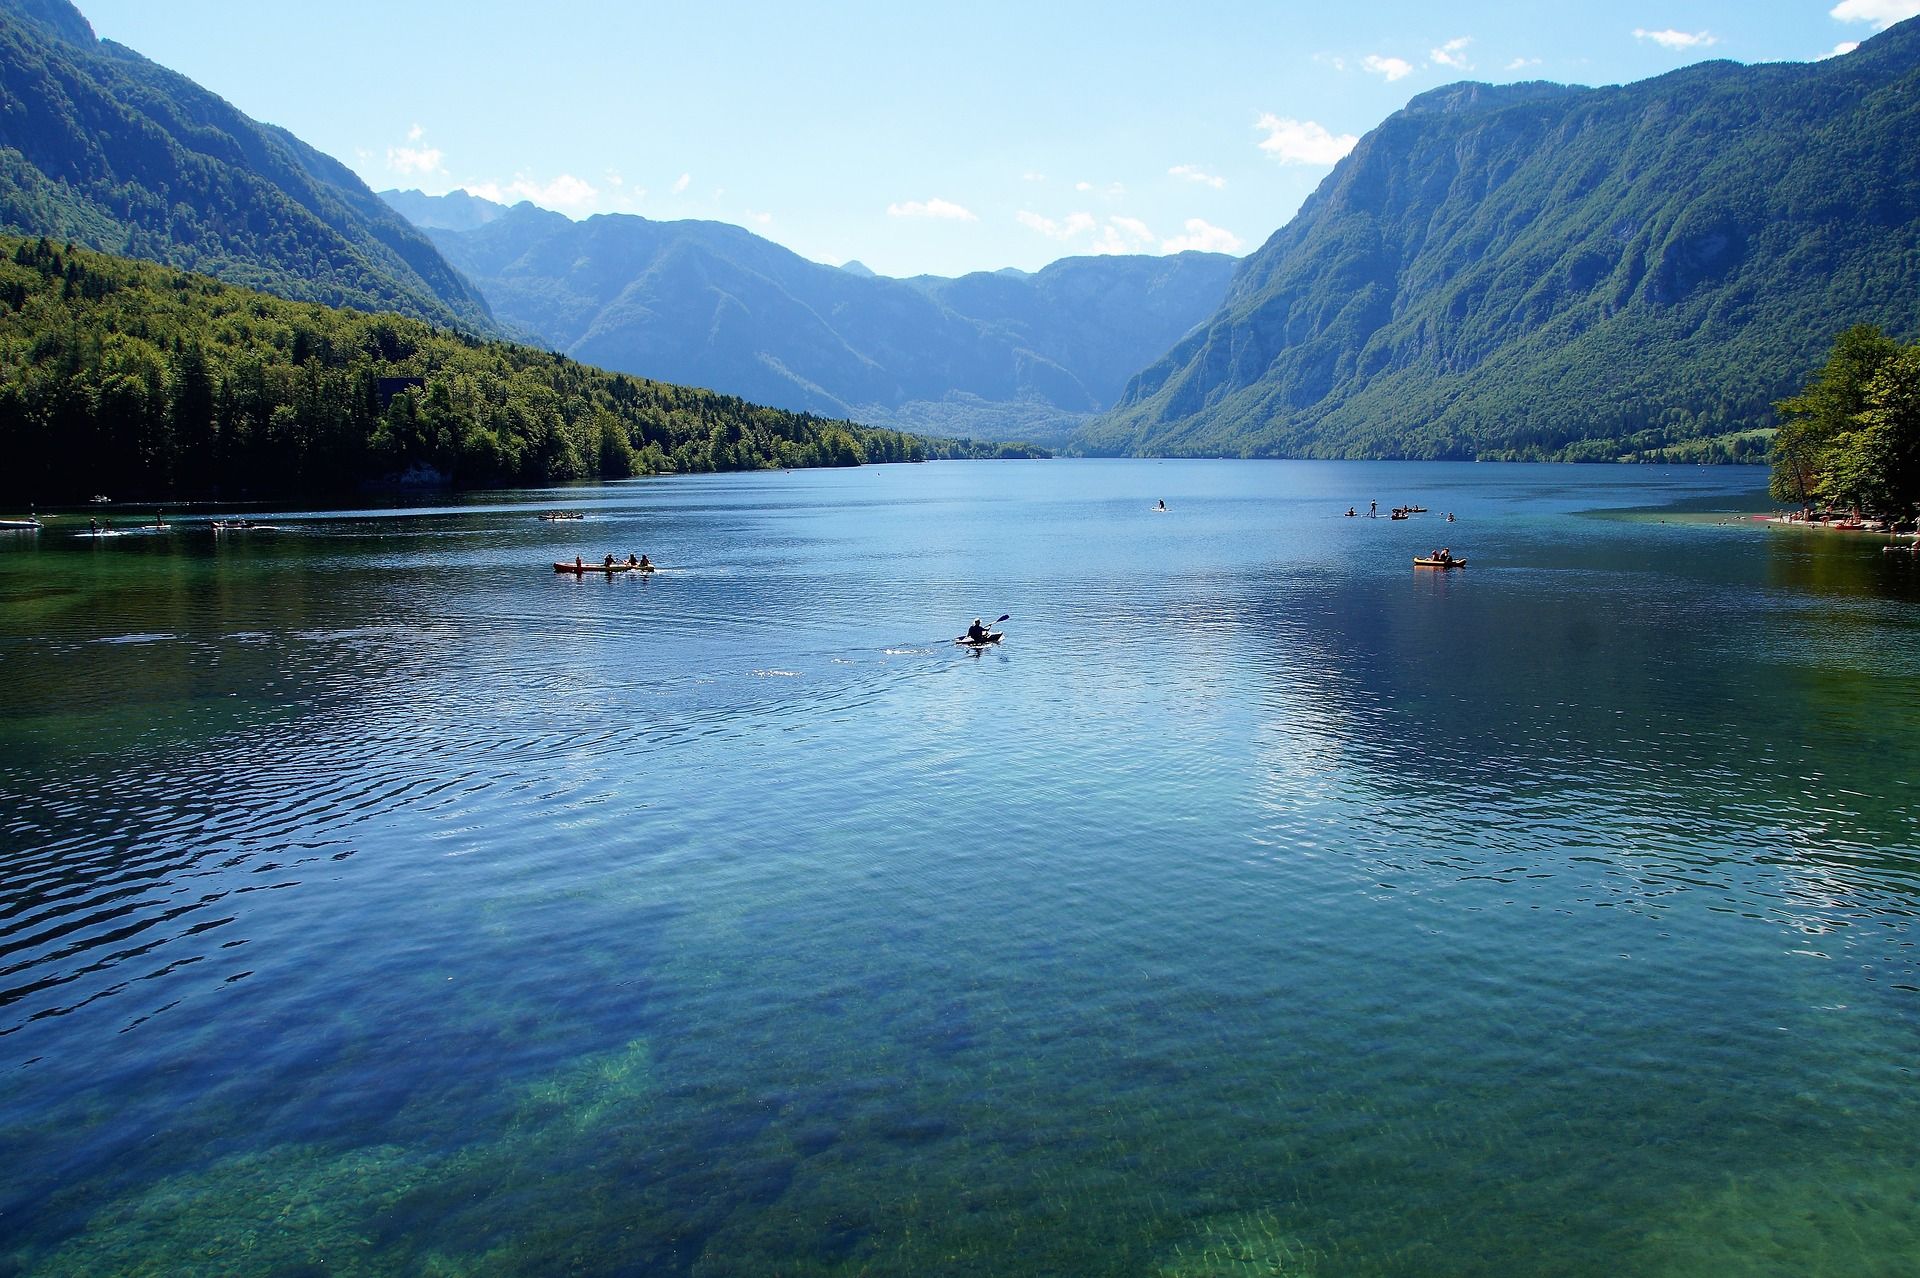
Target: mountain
(100,146)
(454,211)
(995,355)
(1536,270)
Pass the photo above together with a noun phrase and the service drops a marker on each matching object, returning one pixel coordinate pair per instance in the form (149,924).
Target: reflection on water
(377,902)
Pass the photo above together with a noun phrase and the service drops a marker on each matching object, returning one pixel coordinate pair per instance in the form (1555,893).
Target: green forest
(144,381)
(1850,441)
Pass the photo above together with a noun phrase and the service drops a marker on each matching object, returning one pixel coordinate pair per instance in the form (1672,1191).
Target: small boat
(1419,562)
(582,569)
(1416,510)
(1398,514)
(556,516)
(20,525)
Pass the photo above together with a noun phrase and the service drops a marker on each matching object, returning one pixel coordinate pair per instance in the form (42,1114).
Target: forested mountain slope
(145,381)
(100,146)
(1542,271)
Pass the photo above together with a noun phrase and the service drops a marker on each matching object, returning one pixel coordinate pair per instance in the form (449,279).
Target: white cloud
(565,193)
(1453,54)
(1031,176)
(1392,68)
(1111,191)
(763,219)
(1302,141)
(944,210)
(1206,238)
(416,133)
(681,183)
(1193,173)
(414,159)
(1073,224)
(1333,60)
(1839,50)
(1671,39)
(1881,13)
(1116,235)
(1521,64)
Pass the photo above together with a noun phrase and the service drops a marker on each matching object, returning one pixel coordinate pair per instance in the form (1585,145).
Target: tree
(1813,421)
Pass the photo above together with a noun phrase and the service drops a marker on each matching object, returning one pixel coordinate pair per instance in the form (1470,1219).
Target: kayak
(558,516)
(990,640)
(1439,563)
(581,569)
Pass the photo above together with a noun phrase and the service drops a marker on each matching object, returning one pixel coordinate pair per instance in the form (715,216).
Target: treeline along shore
(141,380)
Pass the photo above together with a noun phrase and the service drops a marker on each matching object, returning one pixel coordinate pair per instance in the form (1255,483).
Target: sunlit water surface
(375,900)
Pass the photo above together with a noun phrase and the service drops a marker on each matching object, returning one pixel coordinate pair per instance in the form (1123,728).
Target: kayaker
(976,633)
(1350,512)
(1162,505)
(1449,516)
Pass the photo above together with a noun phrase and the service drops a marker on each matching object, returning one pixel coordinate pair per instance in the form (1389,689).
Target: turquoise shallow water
(377,901)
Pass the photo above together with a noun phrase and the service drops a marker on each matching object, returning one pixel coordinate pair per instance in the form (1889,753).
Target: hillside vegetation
(1537,271)
(100,146)
(130,378)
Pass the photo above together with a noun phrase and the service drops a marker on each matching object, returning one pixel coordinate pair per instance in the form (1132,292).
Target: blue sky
(918,138)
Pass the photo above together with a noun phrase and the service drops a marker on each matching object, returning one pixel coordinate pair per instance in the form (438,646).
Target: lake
(377,900)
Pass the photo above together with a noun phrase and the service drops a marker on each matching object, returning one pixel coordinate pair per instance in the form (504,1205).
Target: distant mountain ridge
(1537,270)
(999,355)
(101,146)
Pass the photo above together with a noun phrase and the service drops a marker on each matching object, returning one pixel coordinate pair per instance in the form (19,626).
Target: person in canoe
(645,564)
(579,565)
(976,633)
(631,561)
(1350,512)
(609,562)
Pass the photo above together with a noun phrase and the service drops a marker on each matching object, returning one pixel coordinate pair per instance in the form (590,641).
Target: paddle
(1005,616)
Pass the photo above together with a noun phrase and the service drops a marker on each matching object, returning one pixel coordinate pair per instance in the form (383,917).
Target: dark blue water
(375,900)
